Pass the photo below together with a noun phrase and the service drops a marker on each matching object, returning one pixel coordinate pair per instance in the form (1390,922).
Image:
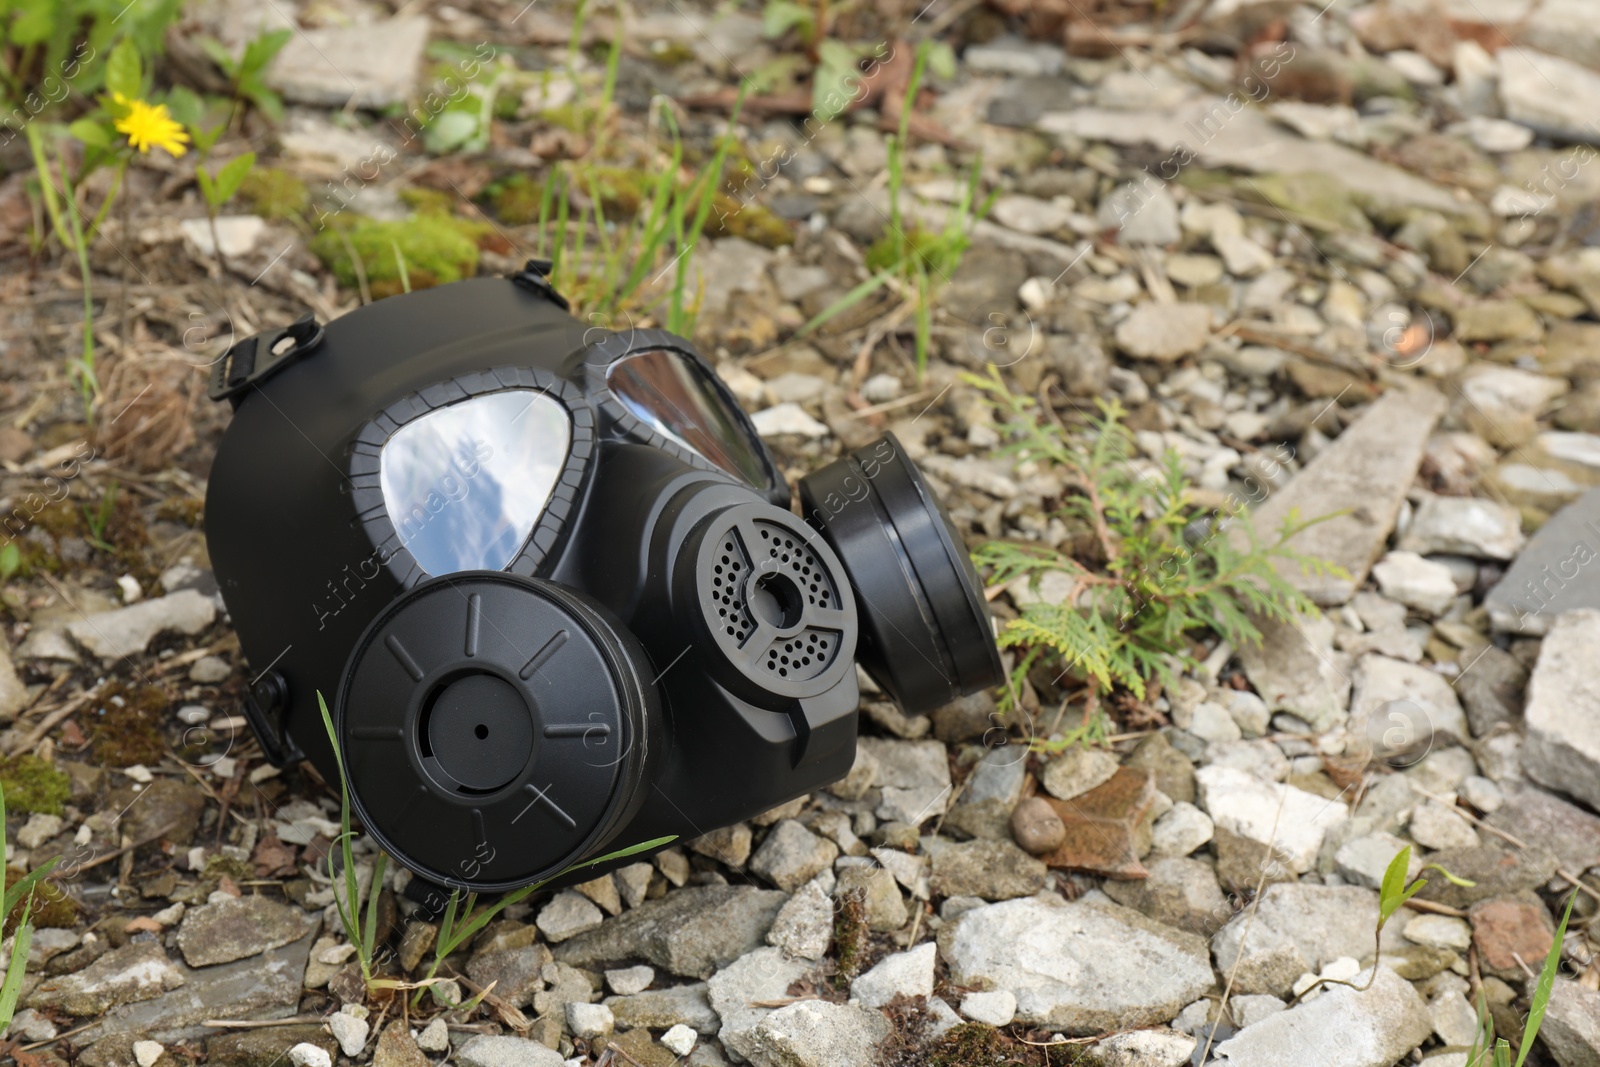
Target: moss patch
(126,729)
(515,199)
(849,935)
(51,905)
(436,248)
(33,785)
(275,194)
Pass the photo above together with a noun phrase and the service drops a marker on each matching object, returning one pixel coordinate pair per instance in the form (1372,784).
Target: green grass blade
(845,302)
(26,883)
(16,968)
(1546,984)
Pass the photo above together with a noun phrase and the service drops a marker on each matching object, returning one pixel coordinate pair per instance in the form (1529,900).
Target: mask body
(547,580)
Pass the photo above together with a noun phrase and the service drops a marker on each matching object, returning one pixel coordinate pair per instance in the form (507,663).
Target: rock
(1282,817)
(486,1050)
(1435,826)
(1546,822)
(1164,332)
(516,972)
(1491,686)
(1250,713)
(627,981)
(146,1053)
(791,855)
(1180,892)
(804,925)
(1549,95)
(1503,404)
(568,915)
(350,1031)
(1143,1048)
(265,1047)
(1296,669)
(1464,526)
(658,1009)
(1181,830)
(901,974)
(1398,707)
(1029,214)
(589,1021)
(817,1033)
(1079,967)
(1141,216)
(1496,320)
(238,927)
(13,694)
(787,420)
(1552,574)
(738,989)
(1251,1008)
(397,1048)
(913,777)
(209,670)
(112,635)
(996,1008)
(999,775)
(1295,928)
(1439,931)
(1036,827)
(1211,722)
(1510,933)
(885,908)
(309,1055)
(993,870)
(689,931)
(435,1037)
(237,234)
(1571,1027)
(1077,771)
(1494,872)
(633,882)
(1171,770)
(138,971)
(1013,58)
(1107,827)
(679,1040)
(377,64)
(1375,1028)
(1363,476)
(1563,713)
(38,829)
(1416,582)
(1363,860)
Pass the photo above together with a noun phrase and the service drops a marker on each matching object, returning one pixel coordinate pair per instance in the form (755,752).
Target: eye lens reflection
(465,485)
(671,394)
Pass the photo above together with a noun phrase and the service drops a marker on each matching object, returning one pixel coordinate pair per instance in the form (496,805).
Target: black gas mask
(548,579)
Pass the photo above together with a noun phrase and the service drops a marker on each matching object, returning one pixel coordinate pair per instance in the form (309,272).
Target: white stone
(38,829)
(996,1007)
(1549,95)
(904,973)
(1181,830)
(1415,582)
(1364,860)
(1454,1020)
(376,64)
(146,1053)
(1497,135)
(1482,794)
(567,915)
(1563,708)
(1375,1029)
(1211,722)
(122,632)
(680,1039)
(305,1054)
(349,1031)
(627,981)
(803,927)
(787,419)
(1439,931)
(1434,826)
(1028,214)
(1164,332)
(1464,526)
(1402,707)
(435,1037)
(238,235)
(1292,821)
(589,1021)
(1145,1048)
(817,1033)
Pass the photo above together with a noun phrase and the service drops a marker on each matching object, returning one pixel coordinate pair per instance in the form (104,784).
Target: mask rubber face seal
(493,727)
(925,632)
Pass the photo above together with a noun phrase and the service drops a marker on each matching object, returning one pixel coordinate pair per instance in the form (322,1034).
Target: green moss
(515,200)
(436,249)
(126,728)
(52,907)
(428,201)
(33,785)
(275,194)
(849,935)
(731,217)
(1311,195)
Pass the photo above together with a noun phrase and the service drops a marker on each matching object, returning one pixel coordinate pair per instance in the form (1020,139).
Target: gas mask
(548,579)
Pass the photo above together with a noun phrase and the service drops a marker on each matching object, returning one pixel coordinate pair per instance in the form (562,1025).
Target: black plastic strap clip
(265,703)
(253,359)
(535,276)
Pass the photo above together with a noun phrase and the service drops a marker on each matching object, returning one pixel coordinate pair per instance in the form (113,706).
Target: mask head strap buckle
(256,357)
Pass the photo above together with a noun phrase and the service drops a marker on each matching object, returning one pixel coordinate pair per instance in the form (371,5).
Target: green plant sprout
(218,189)
(247,74)
(99,519)
(1486,1050)
(1129,611)
(362,932)
(22,939)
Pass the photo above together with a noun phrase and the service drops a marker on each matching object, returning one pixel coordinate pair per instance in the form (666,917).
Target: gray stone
(1563,713)
(1076,771)
(739,989)
(1164,332)
(487,1050)
(633,882)
(1549,95)
(1362,860)
(1435,826)
(1362,479)
(13,694)
(1571,1027)
(1491,686)
(689,931)
(997,1008)
(238,927)
(1013,58)
(1251,1008)
(1181,830)
(517,973)
(626,981)
(730,845)
(135,972)
(1143,1048)
(589,1021)
(435,1037)
(1542,821)
(1555,572)
(568,915)
(913,778)
(907,974)
(1180,892)
(817,1033)
(885,907)
(679,1039)
(376,65)
(1397,706)
(993,870)
(1374,1028)
(1415,582)
(111,635)
(1295,928)
(1439,931)
(1140,215)
(999,775)
(1296,669)
(350,1031)
(1464,526)
(791,855)
(1081,967)
(1494,871)
(1289,820)
(658,1009)
(804,925)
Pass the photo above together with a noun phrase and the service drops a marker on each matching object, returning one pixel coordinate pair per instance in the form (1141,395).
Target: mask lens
(464,485)
(672,395)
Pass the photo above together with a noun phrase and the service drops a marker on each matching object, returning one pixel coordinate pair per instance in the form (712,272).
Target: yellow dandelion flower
(151,124)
